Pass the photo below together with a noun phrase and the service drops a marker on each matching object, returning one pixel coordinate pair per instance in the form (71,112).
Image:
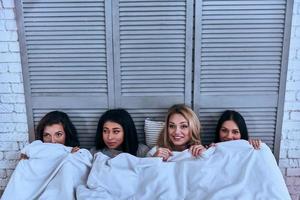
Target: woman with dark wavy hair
(56,127)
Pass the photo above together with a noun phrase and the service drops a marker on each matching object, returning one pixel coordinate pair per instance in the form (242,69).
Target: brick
(17,88)
(290,106)
(298,96)
(6,127)
(12,98)
(8,3)
(290,95)
(289,163)
(295,116)
(5,88)
(19,117)
(284,163)
(283,153)
(22,127)
(294,135)
(14,67)
(11,25)
(10,57)
(1,155)
(3,47)
(291,125)
(2,24)
(8,146)
(12,155)
(23,144)
(3,173)
(8,164)
(14,46)
(10,77)
(9,14)
(294,154)
(3,67)
(9,172)
(13,137)
(292,181)
(293,172)
(20,108)
(294,189)
(3,182)
(6,118)
(6,108)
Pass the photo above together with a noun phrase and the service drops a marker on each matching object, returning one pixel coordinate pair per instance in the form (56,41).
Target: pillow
(152,130)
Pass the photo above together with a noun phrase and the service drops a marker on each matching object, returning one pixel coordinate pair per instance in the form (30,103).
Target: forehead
(110,124)
(230,124)
(177,118)
(54,128)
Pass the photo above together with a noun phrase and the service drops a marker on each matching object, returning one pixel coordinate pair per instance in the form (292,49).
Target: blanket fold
(51,172)
(231,170)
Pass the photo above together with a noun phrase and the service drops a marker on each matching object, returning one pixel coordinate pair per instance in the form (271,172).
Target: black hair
(237,118)
(58,117)
(123,118)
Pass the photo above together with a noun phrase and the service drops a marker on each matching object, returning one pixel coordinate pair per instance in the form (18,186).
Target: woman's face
(179,131)
(229,131)
(113,134)
(54,134)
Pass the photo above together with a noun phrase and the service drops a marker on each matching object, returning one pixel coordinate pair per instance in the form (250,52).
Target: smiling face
(54,134)
(113,134)
(229,131)
(179,131)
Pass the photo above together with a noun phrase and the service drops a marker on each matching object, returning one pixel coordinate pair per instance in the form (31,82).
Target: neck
(180,147)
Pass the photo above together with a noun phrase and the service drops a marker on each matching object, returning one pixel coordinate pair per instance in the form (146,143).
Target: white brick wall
(13,121)
(290,144)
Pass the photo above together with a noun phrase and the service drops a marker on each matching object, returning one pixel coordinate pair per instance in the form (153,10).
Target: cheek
(237,137)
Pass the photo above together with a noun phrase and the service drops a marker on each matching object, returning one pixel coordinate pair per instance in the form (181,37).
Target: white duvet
(51,172)
(231,170)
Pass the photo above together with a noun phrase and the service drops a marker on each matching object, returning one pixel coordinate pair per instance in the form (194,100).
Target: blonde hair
(193,121)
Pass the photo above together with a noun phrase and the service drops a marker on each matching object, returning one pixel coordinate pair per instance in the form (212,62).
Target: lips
(111,144)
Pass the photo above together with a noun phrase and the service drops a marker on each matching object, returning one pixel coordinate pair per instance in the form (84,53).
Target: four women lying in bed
(116,132)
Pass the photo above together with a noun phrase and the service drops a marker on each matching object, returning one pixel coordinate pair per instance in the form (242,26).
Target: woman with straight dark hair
(232,126)
(116,133)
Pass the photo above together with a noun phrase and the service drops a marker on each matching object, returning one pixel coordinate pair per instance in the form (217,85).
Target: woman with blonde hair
(181,132)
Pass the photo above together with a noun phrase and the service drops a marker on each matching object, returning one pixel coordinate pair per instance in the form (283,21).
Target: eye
(184,126)
(46,135)
(172,126)
(224,130)
(236,132)
(58,134)
(105,131)
(116,131)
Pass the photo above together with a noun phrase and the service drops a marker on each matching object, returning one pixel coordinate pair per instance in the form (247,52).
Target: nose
(230,136)
(109,136)
(53,140)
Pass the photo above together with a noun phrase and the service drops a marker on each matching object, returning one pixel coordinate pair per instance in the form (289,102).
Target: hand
(23,157)
(255,143)
(197,149)
(163,153)
(75,149)
(211,145)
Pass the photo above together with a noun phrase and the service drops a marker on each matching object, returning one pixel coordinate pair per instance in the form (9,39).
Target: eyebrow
(185,122)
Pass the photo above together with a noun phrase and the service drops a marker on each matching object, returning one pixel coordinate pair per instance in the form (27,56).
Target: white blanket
(51,172)
(231,170)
